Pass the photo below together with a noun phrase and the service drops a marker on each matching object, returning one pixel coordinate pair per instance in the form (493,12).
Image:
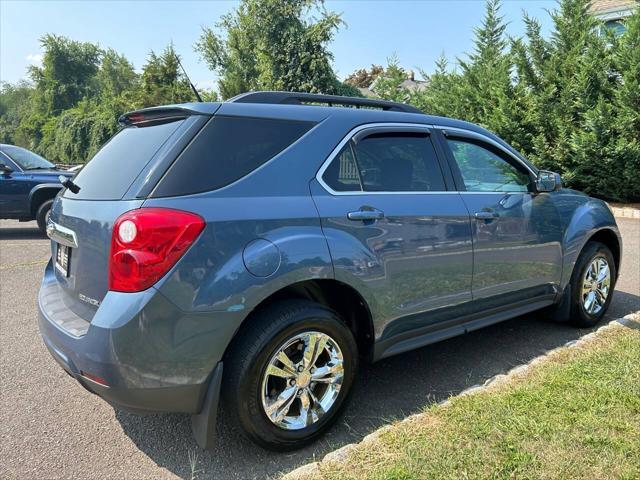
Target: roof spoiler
(166,113)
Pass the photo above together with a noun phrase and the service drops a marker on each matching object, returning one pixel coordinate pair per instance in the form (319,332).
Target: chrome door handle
(365,215)
(485,215)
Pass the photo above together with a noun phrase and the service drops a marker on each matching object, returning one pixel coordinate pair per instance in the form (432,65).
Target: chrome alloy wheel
(302,380)
(595,285)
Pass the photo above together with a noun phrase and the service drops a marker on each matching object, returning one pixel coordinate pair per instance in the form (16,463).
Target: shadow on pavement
(390,389)
(21,233)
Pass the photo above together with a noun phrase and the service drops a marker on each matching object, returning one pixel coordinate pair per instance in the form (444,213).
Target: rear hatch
(117,179)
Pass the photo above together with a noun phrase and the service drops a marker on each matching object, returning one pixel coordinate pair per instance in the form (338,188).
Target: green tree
(162,81)
(67,73)
(388,84)
(77,134)
(569,83)
(442,95)
(272,45)
(627,101)
(116,75)
(15,101)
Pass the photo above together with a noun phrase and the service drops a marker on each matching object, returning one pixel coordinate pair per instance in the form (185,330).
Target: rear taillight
(146,243)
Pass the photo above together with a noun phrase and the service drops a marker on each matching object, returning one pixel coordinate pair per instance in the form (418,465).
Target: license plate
(63,255)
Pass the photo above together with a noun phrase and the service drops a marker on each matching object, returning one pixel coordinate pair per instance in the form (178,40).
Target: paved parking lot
(50,427)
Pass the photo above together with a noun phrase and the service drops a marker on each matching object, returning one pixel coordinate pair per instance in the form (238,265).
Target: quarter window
(226,150)
(483,170)
(342,174)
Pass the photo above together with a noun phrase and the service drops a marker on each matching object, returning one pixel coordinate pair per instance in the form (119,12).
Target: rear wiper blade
(67,182)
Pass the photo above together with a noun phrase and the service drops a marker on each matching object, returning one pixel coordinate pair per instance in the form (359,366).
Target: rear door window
(227,149)
(398,162)
(117,164)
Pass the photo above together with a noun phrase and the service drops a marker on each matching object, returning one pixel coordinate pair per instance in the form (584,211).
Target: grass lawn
(575,414)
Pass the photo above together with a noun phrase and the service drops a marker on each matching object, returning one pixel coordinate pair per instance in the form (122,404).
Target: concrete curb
(314,469)
(626,212)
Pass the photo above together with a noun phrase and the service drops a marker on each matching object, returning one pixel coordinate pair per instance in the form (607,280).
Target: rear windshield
(113,169)
(228,148)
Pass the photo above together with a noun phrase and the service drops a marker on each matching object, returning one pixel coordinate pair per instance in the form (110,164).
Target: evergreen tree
(627,103)
(162,81)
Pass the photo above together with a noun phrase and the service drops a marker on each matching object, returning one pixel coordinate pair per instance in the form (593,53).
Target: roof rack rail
(297,98)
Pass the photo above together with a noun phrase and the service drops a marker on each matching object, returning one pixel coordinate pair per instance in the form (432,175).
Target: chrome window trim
(490,141)
(334,153)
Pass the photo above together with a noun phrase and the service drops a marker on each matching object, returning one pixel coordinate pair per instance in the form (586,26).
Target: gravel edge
(312,470)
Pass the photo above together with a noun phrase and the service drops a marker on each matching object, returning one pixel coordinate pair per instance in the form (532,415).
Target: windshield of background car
(25,159)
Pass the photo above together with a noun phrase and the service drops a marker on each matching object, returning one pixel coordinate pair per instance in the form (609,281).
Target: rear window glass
(228,148)
(113,169)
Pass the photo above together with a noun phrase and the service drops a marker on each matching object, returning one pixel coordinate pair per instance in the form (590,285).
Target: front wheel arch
(40,194)
(608,237)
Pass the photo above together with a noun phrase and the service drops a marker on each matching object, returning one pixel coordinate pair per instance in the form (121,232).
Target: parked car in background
(259,249)
(28,185)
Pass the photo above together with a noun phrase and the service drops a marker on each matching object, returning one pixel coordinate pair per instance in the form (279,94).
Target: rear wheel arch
(338,296)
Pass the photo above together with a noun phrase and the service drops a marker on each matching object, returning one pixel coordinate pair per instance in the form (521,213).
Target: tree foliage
(72,104)
(570,102)
(363,78)
(273,45)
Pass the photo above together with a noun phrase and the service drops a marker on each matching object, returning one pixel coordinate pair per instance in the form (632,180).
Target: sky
(417,32)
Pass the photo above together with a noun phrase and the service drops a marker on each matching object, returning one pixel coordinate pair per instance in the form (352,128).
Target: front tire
(42,215)
(592,285)
(288,375)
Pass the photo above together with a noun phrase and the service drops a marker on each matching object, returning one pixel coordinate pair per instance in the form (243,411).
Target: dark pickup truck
(28,185)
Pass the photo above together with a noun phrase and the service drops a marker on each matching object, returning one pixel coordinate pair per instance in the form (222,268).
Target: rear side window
(398,162)
(227,149)
(113,169)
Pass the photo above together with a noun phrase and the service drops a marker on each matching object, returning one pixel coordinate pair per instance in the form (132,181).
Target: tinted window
(398,162)
(483,170)
(26,159)
(227,149)
(113,169)
(342,174)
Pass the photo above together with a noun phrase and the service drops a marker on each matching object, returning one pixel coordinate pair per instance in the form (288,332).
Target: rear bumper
(183,398)
(151,356)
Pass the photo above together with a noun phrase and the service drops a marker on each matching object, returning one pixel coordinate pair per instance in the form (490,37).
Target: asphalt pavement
(50,427)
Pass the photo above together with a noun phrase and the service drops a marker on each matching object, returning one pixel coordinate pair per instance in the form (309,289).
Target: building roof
(613,9)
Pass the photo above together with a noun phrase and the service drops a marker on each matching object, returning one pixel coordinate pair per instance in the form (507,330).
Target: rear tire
(42,215)
(276,387)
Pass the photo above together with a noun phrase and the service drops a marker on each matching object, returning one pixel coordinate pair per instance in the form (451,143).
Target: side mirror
(5,169)
(548,181)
